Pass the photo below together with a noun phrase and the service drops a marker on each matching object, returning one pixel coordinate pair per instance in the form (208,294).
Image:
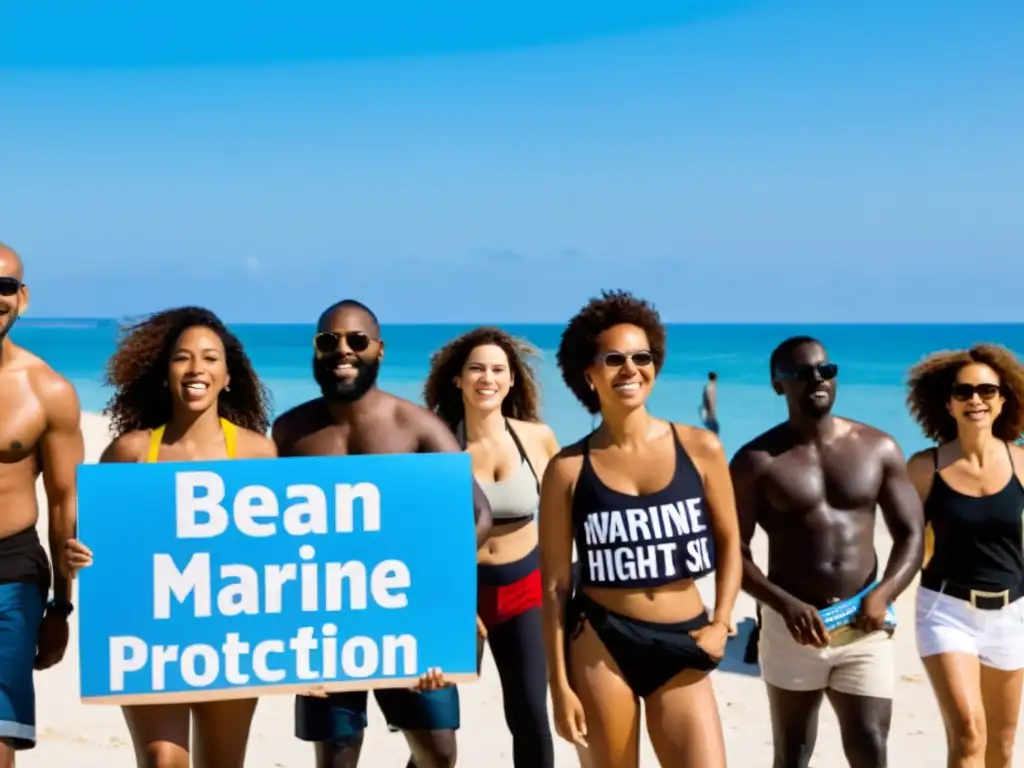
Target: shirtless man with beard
(355,417)
(812,483)
(40,432)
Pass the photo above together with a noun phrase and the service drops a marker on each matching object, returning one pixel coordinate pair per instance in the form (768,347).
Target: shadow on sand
(736,650)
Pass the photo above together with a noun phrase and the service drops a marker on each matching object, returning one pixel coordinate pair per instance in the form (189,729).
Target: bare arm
(921,469)
(280,435)
(904,516)
(721,505)
(555,520)
(748,506)
(435,437)
(63,449)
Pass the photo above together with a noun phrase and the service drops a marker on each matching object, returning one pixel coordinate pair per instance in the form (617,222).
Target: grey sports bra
(515,498)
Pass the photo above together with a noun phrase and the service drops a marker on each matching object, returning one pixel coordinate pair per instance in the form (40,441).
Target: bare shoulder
(430,432)
(128,448)
(874,441)
(253,445)
(536,432)
(922,460)
(1017,454)
(56,394)
(757,455)
(291,424)
(409,414)
(564,467)
(699,443)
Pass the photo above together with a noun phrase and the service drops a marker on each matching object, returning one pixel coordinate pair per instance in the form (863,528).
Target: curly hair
(444,398)
(931,382)
(138,373)
(579,340)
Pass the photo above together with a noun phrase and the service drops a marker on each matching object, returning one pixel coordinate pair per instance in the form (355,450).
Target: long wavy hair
(445,399)
(138,373)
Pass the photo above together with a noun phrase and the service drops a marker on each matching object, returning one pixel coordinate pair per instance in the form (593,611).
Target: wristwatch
(62,608)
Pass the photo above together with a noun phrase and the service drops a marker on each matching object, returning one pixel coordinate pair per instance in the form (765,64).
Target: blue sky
(733,161)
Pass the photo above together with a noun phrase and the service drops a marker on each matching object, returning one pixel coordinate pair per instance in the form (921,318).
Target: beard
(817,408)
(7,323)
(344,390)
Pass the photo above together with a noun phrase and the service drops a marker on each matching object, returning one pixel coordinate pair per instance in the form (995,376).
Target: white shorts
(949,625)
(864,667)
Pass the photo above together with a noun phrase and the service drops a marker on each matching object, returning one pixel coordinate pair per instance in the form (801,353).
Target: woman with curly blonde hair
(481,384)
(970,615)
(184,390)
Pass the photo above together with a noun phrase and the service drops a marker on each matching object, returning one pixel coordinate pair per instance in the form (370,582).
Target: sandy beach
(73,734)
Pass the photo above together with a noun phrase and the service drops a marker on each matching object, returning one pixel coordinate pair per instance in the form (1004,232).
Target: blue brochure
(839,618)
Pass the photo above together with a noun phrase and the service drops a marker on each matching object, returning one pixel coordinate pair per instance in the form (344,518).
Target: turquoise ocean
(873,362)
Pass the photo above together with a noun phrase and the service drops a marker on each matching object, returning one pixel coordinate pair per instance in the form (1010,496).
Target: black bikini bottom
(648,654)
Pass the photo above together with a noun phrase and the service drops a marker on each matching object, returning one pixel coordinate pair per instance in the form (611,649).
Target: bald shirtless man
(40,431)
(812,483)
(355,417)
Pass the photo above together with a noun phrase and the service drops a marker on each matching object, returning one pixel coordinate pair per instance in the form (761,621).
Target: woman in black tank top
(970,615)
(650,507)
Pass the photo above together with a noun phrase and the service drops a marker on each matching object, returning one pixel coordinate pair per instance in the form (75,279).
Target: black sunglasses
(9,286)
(327,343)
(807,373)
(641,359)
(964,392)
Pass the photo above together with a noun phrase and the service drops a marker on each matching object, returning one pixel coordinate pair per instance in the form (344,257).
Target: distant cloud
(503,255)
(252,266)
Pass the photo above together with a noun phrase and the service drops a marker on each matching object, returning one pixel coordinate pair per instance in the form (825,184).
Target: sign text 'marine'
(237,595)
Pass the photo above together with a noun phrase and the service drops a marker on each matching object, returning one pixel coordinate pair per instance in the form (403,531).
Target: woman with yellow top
(184,390)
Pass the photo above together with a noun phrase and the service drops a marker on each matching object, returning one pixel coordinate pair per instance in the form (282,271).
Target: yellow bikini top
(156,437)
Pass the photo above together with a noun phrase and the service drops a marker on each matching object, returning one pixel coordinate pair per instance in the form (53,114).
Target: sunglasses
(640,359)
(807,373)
(9,286)
(328,343)
(964,392)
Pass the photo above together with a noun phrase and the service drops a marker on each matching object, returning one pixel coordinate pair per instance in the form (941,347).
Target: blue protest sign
(225,579)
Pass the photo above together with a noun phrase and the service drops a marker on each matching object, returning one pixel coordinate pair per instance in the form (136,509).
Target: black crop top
(979,540)
(637,542)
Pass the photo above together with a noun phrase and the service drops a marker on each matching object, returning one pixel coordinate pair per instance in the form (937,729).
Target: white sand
(72,734)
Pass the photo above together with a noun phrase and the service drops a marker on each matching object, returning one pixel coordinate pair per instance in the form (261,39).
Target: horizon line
(538,323)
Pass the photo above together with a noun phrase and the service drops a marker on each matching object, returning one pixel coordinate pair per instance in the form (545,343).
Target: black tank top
(637,542)
(979,541)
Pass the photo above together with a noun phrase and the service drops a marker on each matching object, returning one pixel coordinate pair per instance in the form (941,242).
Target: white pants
(949,625)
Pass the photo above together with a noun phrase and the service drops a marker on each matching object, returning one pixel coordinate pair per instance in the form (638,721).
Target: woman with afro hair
(482,386)
(970,615)
(648,504)
(184,390)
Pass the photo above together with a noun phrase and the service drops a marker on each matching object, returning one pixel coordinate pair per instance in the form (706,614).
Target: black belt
(978,598)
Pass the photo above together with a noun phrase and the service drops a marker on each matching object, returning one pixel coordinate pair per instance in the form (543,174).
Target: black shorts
(340,717)
(648,654)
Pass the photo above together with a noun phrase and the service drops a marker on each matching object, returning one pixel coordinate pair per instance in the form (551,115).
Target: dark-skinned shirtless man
(812,483)
(355,417)
(40,431)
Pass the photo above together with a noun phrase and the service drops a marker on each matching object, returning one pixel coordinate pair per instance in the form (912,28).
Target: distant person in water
(40,422)
(184,390)
(813,484)
(482,386)
(709,403)
(970,611)
(649,506)
(354,416)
